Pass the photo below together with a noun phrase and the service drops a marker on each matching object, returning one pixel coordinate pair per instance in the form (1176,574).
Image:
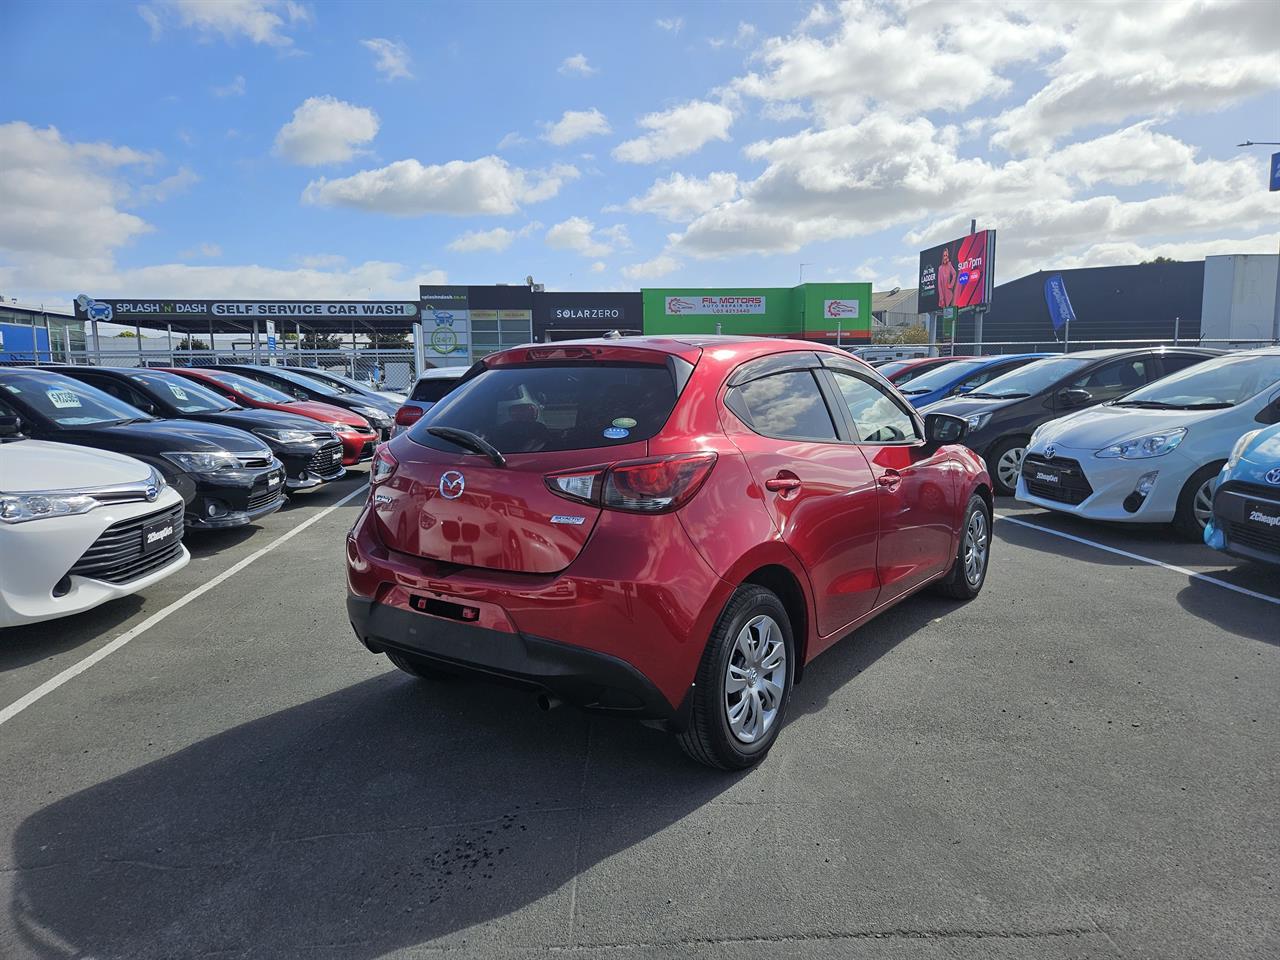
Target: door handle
(889,479)
(782,484)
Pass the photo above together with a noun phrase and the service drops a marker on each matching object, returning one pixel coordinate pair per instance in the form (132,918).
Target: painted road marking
(73,671)
(1136,556)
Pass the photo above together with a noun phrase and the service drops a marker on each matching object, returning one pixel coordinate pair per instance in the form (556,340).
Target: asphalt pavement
(1080,763)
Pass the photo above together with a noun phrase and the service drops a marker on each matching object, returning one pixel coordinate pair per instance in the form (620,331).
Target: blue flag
(1055,295)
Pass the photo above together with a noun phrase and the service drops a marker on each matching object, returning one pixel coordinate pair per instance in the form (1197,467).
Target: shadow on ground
(20,646)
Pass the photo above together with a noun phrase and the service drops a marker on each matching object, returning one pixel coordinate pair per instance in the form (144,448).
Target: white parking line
(46,688)
(1135,556)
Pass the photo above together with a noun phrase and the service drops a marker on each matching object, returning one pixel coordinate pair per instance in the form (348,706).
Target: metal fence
(996,347)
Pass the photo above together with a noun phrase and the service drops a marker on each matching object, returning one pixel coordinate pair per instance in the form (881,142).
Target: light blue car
(959,377)
(1246,501)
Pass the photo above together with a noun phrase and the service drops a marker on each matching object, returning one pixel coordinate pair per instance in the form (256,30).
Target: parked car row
(105,469)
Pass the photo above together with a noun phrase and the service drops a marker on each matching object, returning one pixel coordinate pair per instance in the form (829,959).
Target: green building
(824,312)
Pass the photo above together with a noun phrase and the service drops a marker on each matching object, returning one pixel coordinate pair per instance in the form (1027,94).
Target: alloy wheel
(1202,505)
(1009,466)
(755,679)
(976,545)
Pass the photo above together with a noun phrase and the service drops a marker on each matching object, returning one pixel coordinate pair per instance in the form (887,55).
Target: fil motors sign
(713,306)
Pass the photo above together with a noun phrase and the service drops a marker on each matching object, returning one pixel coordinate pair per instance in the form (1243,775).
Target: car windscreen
(1221,382)
(1032,379)
(565,406)
(181,393)
(250,388)
(434,389)
(310,383)
(892,367)
(66,402)
(942,375)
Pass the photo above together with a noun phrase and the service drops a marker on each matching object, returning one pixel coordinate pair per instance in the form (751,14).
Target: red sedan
(902,372)
(357,436)
(670,529)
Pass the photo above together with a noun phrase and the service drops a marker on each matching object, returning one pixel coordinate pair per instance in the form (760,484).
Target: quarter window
(877,418)
(787,406)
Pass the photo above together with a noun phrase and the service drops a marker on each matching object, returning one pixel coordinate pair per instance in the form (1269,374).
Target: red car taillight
(408,415)
(384,464)
(655,485)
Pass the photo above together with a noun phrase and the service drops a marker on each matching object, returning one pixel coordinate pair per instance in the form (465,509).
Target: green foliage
(896,335)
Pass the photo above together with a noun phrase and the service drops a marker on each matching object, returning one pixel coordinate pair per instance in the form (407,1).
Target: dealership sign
(713,306)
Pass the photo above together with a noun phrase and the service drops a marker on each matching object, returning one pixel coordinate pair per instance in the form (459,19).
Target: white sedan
(1153,455)
(79,527)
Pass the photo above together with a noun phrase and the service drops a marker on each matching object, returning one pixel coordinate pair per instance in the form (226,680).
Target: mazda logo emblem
(1273,475)
(452,484)
(1051,451)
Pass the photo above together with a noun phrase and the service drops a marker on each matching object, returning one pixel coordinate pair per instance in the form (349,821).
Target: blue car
(1246,501)
(959,377)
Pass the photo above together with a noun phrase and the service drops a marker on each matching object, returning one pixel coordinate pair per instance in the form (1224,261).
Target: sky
(282,149)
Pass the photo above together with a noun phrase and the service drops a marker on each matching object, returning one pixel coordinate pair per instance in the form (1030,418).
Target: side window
(1127,374)
(877,417)
(1173,362)
(787,406)
(118,390)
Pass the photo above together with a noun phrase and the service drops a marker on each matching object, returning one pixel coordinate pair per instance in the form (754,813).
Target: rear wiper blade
(465,438)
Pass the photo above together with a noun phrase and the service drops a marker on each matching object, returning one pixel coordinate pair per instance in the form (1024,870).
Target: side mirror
(10,428)
(943,428)
(1074,397)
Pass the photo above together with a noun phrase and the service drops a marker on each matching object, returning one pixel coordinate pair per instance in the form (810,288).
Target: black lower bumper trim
(585,678)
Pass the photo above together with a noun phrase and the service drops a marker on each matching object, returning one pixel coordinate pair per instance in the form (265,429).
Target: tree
(391,341)
(186,343)
(127,333)
(896,335)
(1160,260)
(316,341)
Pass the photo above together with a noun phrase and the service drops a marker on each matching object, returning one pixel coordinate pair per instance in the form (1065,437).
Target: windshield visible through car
(1218,383)
(1031,379)
(527,409)
(942,376)
(66,402)
(182,394)
(250,388)
(310,383)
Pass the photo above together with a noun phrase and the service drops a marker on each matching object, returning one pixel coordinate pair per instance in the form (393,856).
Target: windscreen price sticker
(177,391)
(63,399)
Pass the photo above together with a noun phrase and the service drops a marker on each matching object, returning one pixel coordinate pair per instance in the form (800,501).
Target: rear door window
(433,389)
(786,406)
(563,406)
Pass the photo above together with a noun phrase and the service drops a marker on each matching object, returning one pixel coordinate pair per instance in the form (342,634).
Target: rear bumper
(584,678)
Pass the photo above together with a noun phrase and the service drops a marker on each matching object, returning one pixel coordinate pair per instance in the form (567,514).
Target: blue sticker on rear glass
(616,433)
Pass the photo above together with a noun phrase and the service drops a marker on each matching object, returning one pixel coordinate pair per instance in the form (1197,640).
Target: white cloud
(210,250)
(680,198)
(677,132)
(393,58)
(660,266)
(408,188)
(235,88)
(670,24)
(580,235)
(576,125)
(576,65)
(325,130)
(599,267)
(171,186)
(496,240)
(260,21)
(512,139)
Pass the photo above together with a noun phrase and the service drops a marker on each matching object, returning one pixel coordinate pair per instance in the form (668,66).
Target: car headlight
(977,421)
(1142,448)
(204,462)
(285,436)
(1238,450)
(21,507)
(376,417)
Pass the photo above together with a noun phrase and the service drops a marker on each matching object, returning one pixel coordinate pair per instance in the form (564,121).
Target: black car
(1003,414)
(226,476)
(379,411)
(311,454)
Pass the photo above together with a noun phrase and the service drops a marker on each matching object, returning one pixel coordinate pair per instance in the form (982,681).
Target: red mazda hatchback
(670,529)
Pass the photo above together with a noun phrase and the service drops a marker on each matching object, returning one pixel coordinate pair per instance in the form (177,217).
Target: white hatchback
(79,527)
(1153,455)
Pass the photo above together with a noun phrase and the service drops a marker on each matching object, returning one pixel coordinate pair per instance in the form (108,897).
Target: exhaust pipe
(547,702)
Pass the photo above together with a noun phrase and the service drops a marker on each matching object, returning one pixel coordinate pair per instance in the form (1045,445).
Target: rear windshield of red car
(561,406)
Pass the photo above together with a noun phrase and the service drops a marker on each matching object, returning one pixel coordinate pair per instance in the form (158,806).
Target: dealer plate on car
(1046,474)
(1265,516)
(273,480)
(157,536)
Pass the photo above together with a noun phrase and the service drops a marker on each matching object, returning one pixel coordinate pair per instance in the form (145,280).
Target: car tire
(738,704)
(969,569)
(1006,457)
(1195,503)
(418,667)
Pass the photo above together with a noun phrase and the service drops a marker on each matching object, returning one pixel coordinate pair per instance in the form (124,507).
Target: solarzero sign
(713,306)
